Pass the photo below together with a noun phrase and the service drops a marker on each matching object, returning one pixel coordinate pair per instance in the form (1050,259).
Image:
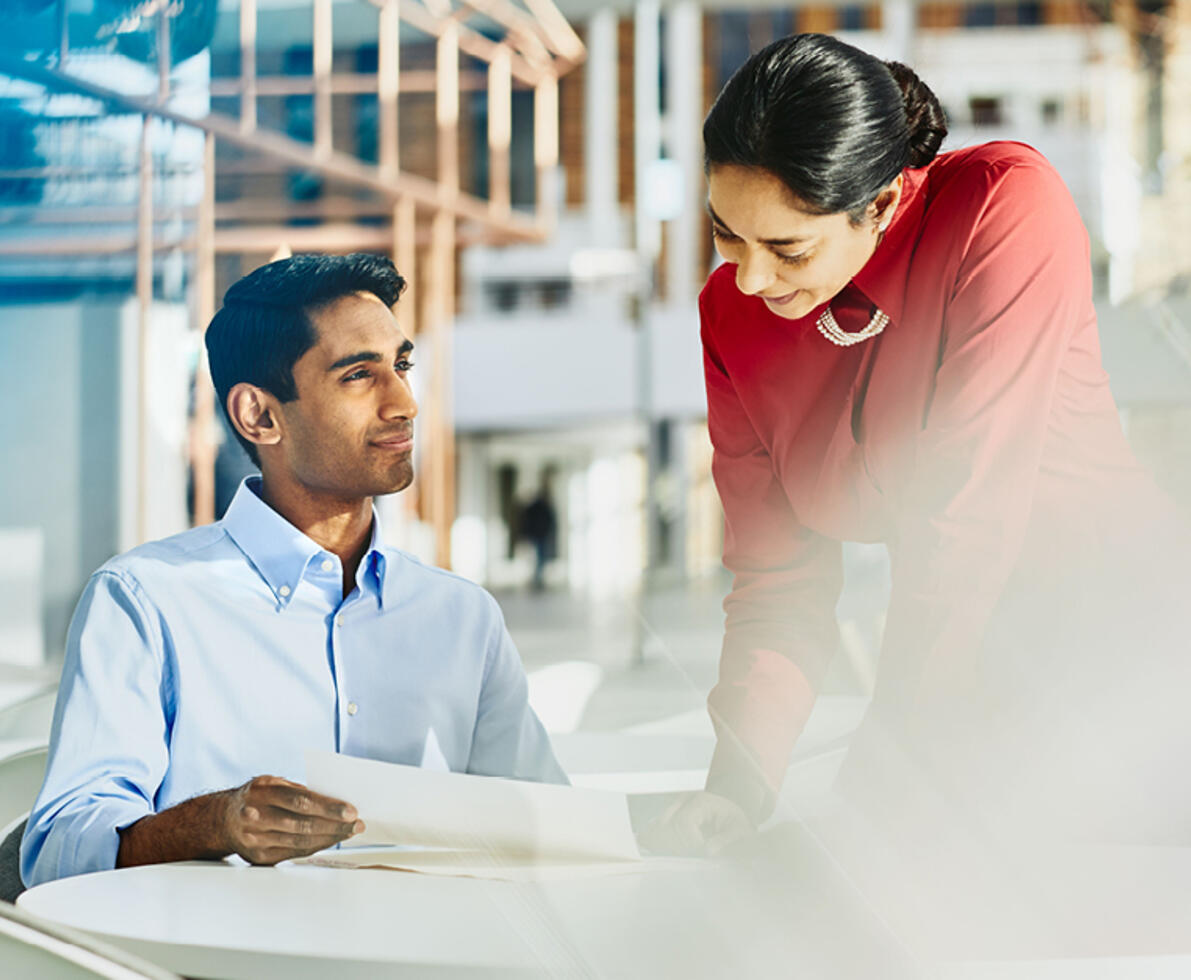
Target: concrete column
(600,168)
(684,122)
(897,19)
(647,119)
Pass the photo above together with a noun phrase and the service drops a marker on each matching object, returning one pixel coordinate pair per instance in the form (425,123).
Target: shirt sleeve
(509,740)
(108,752)
(1022,291)
(780,630)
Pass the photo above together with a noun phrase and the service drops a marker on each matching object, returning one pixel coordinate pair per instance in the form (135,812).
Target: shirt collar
(883,278)
(280,552)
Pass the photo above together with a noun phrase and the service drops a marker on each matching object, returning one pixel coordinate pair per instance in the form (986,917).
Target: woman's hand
(700,824)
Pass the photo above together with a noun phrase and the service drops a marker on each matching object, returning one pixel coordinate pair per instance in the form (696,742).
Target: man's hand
(270,819)
(699,825)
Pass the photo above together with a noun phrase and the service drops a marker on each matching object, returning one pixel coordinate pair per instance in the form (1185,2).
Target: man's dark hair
(265,326)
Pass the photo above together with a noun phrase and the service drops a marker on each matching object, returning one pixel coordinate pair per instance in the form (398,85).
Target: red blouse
(975,435)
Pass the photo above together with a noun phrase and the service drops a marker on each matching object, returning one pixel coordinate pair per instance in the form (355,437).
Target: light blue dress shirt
(198,662)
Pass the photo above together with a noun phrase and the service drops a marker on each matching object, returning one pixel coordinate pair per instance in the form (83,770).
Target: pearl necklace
(830,329)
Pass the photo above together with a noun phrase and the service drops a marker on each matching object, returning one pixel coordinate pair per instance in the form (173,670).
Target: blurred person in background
(539,526)
(901,346)
(212,660)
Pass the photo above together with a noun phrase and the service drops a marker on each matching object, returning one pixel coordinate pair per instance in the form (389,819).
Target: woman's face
(792,259)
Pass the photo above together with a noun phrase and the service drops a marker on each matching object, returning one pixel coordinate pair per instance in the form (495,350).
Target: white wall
(552,370)
(59,453)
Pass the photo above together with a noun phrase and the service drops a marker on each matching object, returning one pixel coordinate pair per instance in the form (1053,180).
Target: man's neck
(341,526)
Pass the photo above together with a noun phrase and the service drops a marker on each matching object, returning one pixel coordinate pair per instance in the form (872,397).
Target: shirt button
(284,590)
(352,707)
(338,620)
(327,564)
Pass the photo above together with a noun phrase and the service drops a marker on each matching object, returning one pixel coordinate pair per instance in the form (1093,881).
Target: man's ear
(253,411)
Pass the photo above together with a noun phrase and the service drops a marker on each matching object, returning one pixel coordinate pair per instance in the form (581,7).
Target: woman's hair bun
(924,115)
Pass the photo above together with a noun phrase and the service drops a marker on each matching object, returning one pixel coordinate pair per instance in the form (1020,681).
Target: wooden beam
(247,65)
(329,207)
(323,48)
(260,239)
(439,312)
(344,83)
(470,42)
(405,257)
(332,237)
(500,132)
(388,84)
(523,30)
(545,147)
(562,36)
(446,113)
(203,447)
(440,306)
(336,165)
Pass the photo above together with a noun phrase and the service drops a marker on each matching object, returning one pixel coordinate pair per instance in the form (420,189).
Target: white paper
(481,814)
(468,864)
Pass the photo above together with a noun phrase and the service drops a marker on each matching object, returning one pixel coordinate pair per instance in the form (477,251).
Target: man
(200,668)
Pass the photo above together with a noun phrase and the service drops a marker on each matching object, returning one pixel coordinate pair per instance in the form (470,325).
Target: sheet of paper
(468,864)
(484,815)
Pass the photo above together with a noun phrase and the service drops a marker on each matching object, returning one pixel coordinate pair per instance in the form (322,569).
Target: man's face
(349,433)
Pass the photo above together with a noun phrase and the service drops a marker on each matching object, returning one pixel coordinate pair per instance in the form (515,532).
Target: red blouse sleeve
(1022,291)
(781,629)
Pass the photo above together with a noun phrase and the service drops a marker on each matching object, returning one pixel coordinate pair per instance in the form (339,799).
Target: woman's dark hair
(265,326)
(833,123)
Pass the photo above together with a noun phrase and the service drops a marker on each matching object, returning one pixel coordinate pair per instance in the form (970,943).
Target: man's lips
(400,443)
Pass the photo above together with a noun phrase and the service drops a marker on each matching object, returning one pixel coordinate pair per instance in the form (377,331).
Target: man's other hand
(270,819)
(700,824)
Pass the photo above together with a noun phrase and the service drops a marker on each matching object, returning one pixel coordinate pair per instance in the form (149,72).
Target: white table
(788,914)
(721,921)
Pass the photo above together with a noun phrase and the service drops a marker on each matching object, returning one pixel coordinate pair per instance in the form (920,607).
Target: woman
(901,346)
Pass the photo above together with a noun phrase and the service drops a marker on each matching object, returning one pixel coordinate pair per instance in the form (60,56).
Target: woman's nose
(754,273)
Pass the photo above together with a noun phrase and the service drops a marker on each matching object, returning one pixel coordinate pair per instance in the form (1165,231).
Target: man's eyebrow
(764,241)
(358,357)
(369,356)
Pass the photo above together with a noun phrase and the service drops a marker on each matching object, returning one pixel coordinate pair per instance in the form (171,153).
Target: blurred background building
(536,172)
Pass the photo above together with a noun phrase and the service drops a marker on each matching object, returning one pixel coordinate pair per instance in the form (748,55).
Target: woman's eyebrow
(764,241)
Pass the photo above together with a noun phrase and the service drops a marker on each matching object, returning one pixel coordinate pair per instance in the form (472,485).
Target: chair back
(21,775)
(32,947)
(31,717)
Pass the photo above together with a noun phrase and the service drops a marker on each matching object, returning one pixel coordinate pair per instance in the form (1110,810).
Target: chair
(30,717)
(32,947)
(20,779)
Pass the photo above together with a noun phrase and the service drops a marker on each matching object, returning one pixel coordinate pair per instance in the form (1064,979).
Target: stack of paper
(456,824)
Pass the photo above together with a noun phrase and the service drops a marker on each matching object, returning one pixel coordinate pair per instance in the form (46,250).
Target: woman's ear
(885,205)
(253,412)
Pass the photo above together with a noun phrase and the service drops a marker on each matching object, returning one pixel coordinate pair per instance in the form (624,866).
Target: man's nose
(399,401)
(754,272)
